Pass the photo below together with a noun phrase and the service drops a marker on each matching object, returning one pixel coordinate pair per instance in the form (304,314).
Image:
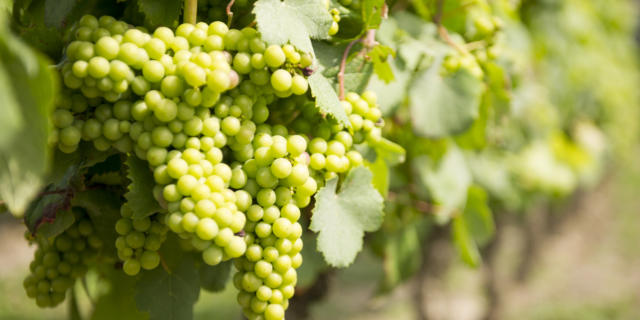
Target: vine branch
(190,11)
(229,12)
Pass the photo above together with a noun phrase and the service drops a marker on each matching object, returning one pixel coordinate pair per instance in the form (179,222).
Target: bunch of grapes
(139,240)
(235,142)
(60,260)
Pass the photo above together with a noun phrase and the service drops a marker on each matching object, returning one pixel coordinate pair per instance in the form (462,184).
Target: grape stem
(164,265)
(343,65)
(229,12)
(190,11)
(368,42)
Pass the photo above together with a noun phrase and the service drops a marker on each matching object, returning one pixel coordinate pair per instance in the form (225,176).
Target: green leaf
(140,194)
(402,252)
(387,154)
(170,294)
(26,87)
(64,219)
(29,24)
(111,164)
(57,198)
(56,11)
(395,91)
(464,242)
(422,9)
(390,151)
(103,208)
(475,137)
(292,21)
(443,106)
(380,170)
(85,156)
(372,13)
(160,12)
(118,302)
(10,116)
(341,217)
(478,216)
(326,98)
(45,210)
(380,58)
(357,71)
(214,278)
(447,182)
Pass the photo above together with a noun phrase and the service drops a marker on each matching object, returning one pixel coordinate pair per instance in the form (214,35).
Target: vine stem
(190,11)
(442,31)
(229,12)
(368,41)
(343,66)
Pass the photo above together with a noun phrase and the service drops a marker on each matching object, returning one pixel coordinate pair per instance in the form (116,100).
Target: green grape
(281,80)
(274,56)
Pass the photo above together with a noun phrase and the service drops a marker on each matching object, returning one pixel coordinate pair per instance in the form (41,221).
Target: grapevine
(169,141)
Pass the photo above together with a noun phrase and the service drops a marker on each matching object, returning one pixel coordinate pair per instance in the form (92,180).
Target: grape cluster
(235,143)
(335,27)
(139,240)
(481,27)
(60,260)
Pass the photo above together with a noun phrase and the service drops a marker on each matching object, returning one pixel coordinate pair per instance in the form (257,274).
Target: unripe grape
(274,56)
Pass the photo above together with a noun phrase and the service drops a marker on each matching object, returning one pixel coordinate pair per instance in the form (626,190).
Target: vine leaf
(395,91)
(26,98)
(372,13)
(44,211)
(64,219)
(463,241)
(103,207)
(140,194)
(169,294)
(214,278)
(447,182)
(478,216)
(56,11)
(292,21)
(341,217)
(387,154)
(119,302)
(160,12)
(474,227)
(442,106)
(400,247)
(380,56)
(326,98)
(29,25)
(357,71)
